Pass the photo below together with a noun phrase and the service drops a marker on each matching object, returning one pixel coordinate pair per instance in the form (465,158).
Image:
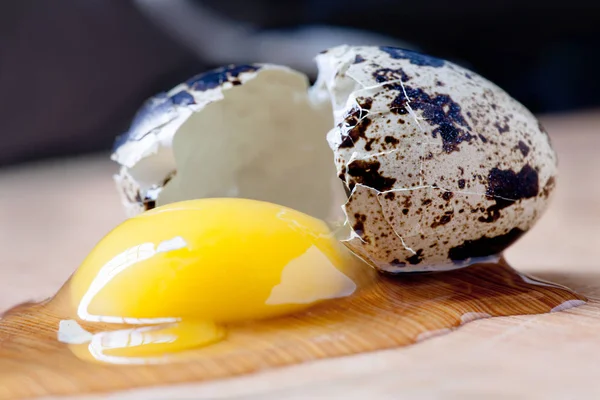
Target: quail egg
(441,167)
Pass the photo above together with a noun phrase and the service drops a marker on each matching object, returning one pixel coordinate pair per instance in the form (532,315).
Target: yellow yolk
(188,267)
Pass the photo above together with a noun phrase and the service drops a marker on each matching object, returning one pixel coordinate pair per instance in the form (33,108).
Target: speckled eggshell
(142,147)
(248,131)
(443,167)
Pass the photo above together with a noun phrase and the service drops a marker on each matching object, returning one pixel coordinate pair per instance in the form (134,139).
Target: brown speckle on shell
(464,175)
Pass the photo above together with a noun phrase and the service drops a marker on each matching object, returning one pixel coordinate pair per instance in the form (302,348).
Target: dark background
(73,72)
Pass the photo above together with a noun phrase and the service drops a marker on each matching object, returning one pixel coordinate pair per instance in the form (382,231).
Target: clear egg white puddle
(303,283)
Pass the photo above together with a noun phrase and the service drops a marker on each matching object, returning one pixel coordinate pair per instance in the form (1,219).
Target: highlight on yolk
(178,273)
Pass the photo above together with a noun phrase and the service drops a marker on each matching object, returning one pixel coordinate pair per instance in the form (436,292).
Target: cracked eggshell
(443,167)
(246,131)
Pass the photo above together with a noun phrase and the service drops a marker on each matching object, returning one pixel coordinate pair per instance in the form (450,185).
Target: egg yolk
(181,272)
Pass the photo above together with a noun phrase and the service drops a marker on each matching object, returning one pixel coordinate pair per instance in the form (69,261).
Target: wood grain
(52,214)
(390,312)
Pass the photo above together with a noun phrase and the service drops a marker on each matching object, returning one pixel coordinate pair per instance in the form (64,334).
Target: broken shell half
(442,168)
(247,131)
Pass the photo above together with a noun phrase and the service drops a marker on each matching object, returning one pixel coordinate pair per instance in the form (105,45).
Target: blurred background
(73,72)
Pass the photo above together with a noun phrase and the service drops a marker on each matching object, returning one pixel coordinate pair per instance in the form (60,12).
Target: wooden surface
(53,213)
(386,313)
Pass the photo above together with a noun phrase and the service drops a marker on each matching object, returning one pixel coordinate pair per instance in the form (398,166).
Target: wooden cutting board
(52,214)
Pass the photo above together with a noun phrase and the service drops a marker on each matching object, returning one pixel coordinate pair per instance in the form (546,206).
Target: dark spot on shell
(501,128)
(522,146)
(484,246)
(548,187)
(358,59)
(451,137)
(397,263)
(389,196)
(510,185)
(365,102)
(416,258)
(382,75)
(439,83)
(391,140)
(440,111)
(168,178)
(357,122)
(342,174)
(405,211)
(468,75)
(483,138)
(398,106)
(183,98)
(447,196)
(369,144)
(443,220)
(407,203)
(216,77)
(506,187)
(542,129)
(354,115)
(149,204)
(461,183)
(359,227)
(413,57)
(426,202)
(366,172)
